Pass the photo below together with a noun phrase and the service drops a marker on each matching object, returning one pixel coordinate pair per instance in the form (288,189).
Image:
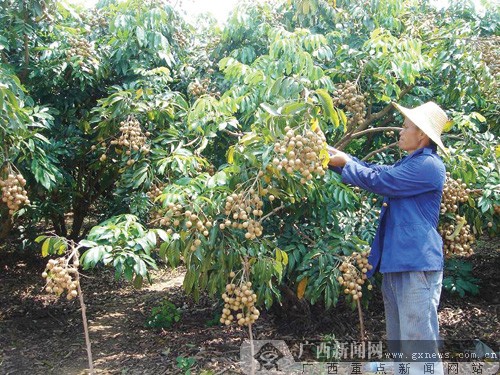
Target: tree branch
(374,117)
(374,130)
(233,134)
(272,212)
(303,235)
(379,150)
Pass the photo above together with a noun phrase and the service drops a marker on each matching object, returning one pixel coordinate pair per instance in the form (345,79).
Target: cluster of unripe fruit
(347,96)
(94,19)
(457,238)
(174,218)
(239,298)
(156,213)
(155,192)
(62,277)
(354,269)
(180,39)
(79,47)
(454,192)
(131,138)
(299,151)
(490,51)
(13,193)
(199,88)
(243,211)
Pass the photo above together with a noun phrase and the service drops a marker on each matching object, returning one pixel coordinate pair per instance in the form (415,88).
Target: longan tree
(204,148)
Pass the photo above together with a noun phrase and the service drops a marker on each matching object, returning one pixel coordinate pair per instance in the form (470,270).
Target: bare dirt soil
(42,335)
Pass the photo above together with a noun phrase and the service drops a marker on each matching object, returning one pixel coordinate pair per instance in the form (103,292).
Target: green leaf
(45,248)
(93,256)
(162,234)
(40,239)
(138,281)
(327,104)
(269,109)
(87,243)
(128,272)
(140,36)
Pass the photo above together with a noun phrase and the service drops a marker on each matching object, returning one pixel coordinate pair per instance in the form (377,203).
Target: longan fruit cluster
(180,39)
(95,20)
(457,239)
(490,53)
(155,191)
(80,48)
(300,153)
(354,269)
(243,210)
(454,192)
(239,298)
(156,213)
(346,95)
(199,88)
(174,217)
(61,277)
(132,138)
(13,193)
(497,209)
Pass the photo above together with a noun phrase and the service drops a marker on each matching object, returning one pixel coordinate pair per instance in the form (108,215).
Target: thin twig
(302,234)
(379,150)
(192,142)
(375,130)
(272,212)
(234,134)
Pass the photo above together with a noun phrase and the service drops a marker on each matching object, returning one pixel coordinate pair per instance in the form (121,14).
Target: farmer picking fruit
(407,248)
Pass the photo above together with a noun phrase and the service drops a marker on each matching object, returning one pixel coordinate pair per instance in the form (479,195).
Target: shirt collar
(424,150)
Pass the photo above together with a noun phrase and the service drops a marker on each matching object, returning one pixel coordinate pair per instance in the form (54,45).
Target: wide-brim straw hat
(428,117)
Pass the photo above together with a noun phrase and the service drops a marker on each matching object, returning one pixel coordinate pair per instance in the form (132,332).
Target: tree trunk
(5,227)
(59,224)
(80,210)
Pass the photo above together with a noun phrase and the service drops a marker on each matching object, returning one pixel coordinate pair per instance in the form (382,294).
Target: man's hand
(337,157)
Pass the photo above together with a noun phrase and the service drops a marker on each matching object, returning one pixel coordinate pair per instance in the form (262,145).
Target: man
(407,249)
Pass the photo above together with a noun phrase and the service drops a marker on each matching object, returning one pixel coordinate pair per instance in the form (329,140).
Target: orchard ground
(42,335)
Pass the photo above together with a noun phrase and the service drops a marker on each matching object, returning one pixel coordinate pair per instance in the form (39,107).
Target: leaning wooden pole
(361,322)
(85,326)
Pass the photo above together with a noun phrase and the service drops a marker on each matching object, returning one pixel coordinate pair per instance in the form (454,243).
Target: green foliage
(52,245)
(458,278)
(123,243)
(163,316)
(185,364)
(71,77)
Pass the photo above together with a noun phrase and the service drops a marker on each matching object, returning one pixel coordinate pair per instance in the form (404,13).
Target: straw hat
(429,118)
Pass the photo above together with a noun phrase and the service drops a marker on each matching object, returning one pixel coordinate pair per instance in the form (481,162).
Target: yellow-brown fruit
(13,192)
(354,268)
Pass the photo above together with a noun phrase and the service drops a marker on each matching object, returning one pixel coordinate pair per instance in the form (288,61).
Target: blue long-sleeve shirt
(407,238)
